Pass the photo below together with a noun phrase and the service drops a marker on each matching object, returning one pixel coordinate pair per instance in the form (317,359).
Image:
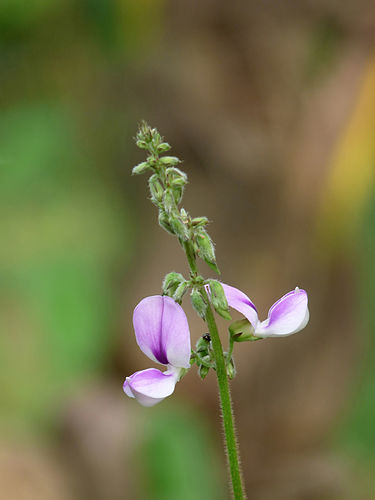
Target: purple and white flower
(288,315)
(162,333)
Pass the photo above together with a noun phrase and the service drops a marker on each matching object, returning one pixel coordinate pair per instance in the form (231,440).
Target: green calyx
(218,299)
(242,331)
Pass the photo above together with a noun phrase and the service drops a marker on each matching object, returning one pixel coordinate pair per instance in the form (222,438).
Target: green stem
(226,407)
(223,383)
(191,258)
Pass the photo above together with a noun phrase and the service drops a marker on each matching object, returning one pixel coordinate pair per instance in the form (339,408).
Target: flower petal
(241,303)
(162,331)
(288,315)
(150,386)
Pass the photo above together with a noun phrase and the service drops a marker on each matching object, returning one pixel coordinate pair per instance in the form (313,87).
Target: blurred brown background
(271,104)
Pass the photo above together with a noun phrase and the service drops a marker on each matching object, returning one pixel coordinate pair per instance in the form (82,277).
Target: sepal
(218,299)
(179,228)
(163,147)
(156,189)
(164,222)
(141,168)
(242,331)
(206,249)
(169,201)
(171,282)
(203,371)
(169,160)
(231,369)
(198,302)
(180,291)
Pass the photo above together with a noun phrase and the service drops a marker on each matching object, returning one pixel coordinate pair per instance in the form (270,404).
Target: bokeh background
(271,104)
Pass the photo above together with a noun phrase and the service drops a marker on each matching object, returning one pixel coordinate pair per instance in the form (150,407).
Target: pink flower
(162,333)
(288,315)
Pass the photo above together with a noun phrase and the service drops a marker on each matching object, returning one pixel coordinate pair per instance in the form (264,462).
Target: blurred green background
(272,107)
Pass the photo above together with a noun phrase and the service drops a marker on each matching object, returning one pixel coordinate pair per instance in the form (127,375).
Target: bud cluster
(203,357)
(166,185)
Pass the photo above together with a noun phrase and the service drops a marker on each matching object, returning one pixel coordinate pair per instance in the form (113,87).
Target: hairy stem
(223,383)
(191,258)
(226,407)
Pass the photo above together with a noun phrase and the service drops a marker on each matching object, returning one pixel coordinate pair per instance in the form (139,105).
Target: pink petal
(150,386)
(162,331)
(241,303)
(288,315)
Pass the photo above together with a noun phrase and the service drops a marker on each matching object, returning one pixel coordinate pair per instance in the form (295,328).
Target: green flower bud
(180,291)
(231,369)
(199,221)
(203,344)
(242,331)
(142,144)
(141,168)
(179,182)
(169,201)
(184,216)
(206,249)
(156,189)
(156,138)
(218,299)
(171,282)
(175,174)
(145,131)
(198,302)
(177,193)
(169,160)
(151,160)
(163,147)
(164,222)
(179,228)
(203,371)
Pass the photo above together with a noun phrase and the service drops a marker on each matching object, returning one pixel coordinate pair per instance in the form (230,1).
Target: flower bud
(141,168)
(231,369)
(171,282)
(169,160)
(242,331)
(198,302)
(175,174)
(151,160)
(163,147)
(206,249)
(203,371)
(199,221)
(156,137)
(164,222)
(169,201)
(203,344)
(177,193)
(156,189)
(218,299)
(180,291)
(179,228)
(142,144)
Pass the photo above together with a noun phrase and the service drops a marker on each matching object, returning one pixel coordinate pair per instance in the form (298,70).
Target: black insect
(206,337)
